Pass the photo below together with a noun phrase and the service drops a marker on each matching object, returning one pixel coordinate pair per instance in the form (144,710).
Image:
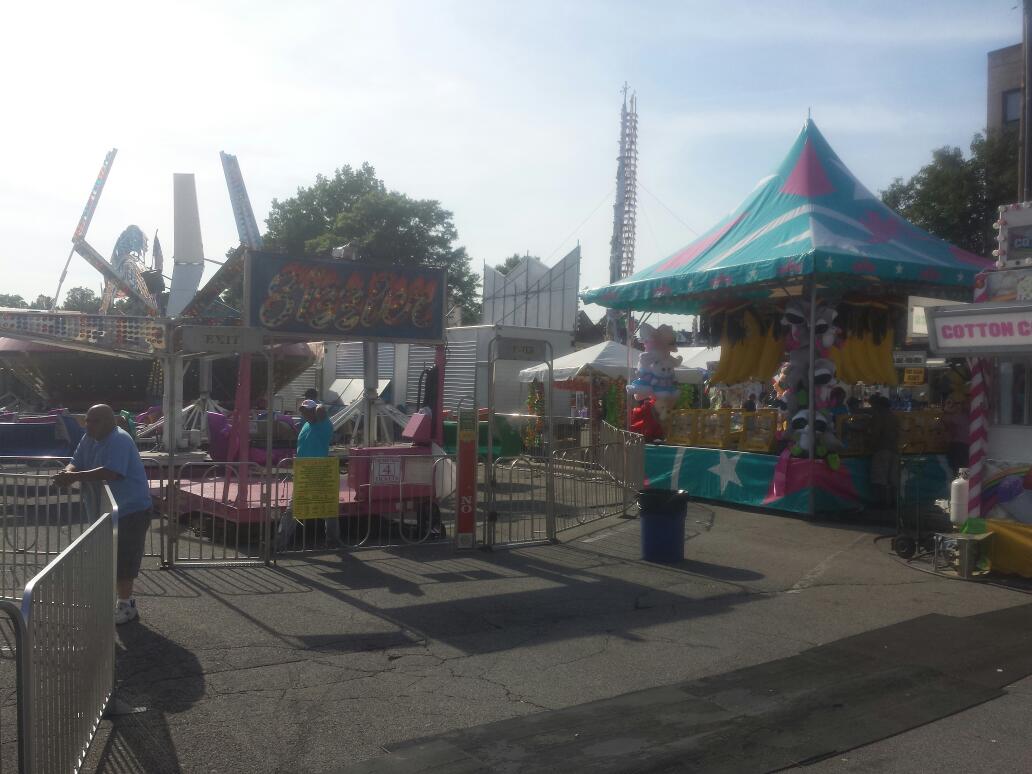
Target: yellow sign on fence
(913,377)
(316,487)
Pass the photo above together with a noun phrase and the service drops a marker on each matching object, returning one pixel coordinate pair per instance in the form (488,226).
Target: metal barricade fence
(531,498)
(519,505)
(588,484)
(628,468)
(219,513)
(385,500)
(69,651)
(27,499)
(37,520)
(160,477)
(59,564)
(12,720)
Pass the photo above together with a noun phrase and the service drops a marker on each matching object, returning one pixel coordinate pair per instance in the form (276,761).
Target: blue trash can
(663,512)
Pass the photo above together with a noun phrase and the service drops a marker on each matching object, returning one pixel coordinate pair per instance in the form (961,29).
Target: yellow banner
(316,487)
(1011,551)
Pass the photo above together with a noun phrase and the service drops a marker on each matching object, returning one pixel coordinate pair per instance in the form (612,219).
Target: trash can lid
(655,498)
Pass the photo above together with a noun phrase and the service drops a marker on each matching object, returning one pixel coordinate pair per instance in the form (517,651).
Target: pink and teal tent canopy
(811,218)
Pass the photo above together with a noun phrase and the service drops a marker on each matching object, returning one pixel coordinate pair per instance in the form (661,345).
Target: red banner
(466,484)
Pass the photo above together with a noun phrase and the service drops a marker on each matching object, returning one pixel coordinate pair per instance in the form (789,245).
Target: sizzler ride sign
(344,299)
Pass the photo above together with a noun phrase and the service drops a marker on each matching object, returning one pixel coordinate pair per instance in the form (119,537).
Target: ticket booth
(995,337)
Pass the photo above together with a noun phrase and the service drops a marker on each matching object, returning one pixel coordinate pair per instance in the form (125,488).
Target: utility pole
(1026,105)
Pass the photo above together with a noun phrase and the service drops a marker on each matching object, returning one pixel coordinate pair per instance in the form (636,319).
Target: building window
(1013,404)
(1012,106)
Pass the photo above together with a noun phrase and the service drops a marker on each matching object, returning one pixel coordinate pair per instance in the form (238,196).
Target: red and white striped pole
(978,418)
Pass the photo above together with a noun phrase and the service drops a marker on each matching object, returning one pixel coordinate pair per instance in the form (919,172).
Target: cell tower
(621,255)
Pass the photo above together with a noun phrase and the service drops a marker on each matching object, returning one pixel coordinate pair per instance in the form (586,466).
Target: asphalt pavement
(336,661)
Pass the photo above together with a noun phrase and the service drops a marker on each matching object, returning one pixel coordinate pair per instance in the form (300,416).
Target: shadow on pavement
(769,717)
(155,677)
(719,571)
(567,586)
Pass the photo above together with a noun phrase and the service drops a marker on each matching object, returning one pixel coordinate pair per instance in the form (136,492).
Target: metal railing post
(549,462)
(623,477)
(172,518)
(170,423)
(266,528)
(490,515)
(23,648)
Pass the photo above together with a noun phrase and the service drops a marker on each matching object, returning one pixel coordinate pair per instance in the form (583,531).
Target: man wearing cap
(312,441)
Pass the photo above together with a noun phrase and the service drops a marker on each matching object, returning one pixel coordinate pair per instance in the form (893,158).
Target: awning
(811,218)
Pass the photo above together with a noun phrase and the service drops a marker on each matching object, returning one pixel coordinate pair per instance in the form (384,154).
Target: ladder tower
(625,208)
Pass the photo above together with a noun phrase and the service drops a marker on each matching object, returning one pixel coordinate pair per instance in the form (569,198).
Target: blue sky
(505,112)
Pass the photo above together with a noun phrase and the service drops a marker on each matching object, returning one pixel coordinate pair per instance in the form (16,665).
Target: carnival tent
(699,357)
(608,359)
(811,219)
(810,232)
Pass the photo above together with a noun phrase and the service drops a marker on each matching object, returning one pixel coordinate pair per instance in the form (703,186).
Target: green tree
(956,197)
(512,262)
(81,300)
(130,307)
(313,211)
(355,208)
(42,302)
(11,301)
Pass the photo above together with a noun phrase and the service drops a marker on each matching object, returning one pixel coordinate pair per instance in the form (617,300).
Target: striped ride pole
(978,419)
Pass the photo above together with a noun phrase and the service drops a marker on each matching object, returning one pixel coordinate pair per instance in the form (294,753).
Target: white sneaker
(126,612)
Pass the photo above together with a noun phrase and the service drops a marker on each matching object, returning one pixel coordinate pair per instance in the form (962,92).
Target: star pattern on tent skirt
(899,268)
(726,470)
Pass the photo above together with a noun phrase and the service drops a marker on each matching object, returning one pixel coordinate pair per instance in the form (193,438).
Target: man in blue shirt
(313,441)
(107,454)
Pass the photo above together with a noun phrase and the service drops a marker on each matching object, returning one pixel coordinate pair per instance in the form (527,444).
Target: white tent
(609,359)
(698,357)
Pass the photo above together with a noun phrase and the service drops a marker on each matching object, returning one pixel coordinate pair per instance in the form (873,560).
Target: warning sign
(316,487)
(913,377)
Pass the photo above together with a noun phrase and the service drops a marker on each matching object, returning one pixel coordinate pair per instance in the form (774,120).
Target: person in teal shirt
(315,435)
(313,441)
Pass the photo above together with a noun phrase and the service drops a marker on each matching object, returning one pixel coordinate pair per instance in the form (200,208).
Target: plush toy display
(796,319)
(792,382)
(821,438)
(654,380)
(640,387)
(645,422)
(824,381)
(826,333)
